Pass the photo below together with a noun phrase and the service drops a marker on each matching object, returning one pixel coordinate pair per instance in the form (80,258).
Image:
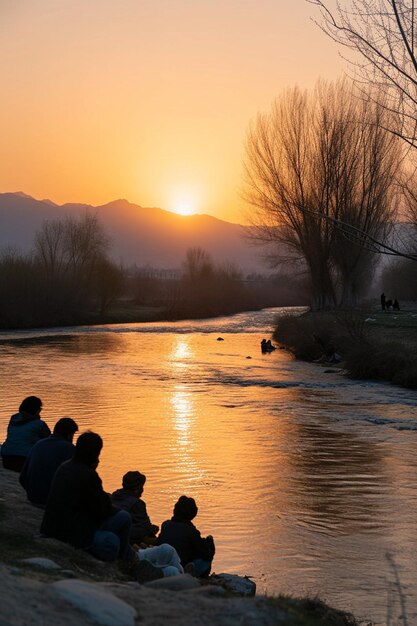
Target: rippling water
(305,479)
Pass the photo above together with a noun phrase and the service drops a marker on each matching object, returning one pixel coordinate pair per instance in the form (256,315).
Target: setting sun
(184,204)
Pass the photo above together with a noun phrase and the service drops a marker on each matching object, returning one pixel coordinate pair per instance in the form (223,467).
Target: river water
(307,480)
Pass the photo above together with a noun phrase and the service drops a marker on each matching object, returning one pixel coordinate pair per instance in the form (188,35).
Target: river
(307,480)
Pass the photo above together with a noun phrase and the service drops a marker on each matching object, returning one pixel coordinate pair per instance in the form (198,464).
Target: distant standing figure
(129,499)
(383,301)
(44,459)
(396,305)
(181,533)
(24,430)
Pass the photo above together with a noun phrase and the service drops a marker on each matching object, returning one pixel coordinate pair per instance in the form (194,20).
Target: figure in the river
(24,430)
(388,305)
(128,498)
(266,346)
(44,459)
(396,305)
(181,533)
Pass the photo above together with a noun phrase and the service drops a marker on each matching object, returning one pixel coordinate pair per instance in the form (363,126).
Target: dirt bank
(64,586)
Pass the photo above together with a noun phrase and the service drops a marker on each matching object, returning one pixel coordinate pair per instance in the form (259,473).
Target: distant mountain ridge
(138,234)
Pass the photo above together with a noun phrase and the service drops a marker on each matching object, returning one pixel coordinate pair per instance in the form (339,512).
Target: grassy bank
(372,344)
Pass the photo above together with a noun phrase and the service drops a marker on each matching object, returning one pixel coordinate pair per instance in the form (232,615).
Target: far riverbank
(365,344)
(128,312)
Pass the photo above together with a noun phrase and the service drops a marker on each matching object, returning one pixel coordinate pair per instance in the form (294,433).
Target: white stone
(101,606)
(39,561)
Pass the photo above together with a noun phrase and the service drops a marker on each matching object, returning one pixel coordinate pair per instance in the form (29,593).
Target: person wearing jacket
(44,459)
(80,512)
(24,430)
(129,499)
(181,533)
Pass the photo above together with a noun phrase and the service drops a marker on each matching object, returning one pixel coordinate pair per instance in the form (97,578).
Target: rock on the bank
(100,606)
(40,561)
(239,585)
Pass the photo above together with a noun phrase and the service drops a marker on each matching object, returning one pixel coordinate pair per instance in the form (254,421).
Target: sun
(184,204)
(183,208)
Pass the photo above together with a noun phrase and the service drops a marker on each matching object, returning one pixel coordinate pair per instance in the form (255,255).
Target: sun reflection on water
(181,351)
(182,406)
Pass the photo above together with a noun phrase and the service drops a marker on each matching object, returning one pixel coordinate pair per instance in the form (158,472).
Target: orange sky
(147,100)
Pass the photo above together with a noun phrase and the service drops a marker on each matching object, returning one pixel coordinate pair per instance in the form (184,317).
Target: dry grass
(312,612)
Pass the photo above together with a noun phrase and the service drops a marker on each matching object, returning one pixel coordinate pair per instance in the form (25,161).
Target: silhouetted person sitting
(396,305)
(44,459)
(129,499)
(79,511)
(181,533)
(24,430)
(388,304)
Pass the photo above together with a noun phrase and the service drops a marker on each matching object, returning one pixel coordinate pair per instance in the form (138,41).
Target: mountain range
(141,235)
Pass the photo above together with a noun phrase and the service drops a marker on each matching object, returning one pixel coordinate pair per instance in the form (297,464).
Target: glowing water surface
(305,479)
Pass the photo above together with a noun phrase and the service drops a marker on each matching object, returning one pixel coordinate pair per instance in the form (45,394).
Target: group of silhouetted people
(61,478)
(387,305)
(266,346)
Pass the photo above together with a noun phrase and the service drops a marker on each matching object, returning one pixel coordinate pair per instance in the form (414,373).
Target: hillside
(138,234)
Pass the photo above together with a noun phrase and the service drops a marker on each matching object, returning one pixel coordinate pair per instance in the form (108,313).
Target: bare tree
(367,195)
(382,35)
(198,265)
(50,248)
(409,190)
(85,244)
(383,32)
(280,166)
(313,161)
(69,251)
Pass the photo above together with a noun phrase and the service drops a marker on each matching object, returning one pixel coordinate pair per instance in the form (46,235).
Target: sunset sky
(147,100)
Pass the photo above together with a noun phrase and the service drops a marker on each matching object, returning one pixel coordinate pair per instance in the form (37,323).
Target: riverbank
(79,589)
(127,312)
(365,344)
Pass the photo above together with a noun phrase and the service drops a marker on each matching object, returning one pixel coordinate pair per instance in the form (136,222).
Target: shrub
(310,336)
(385,361)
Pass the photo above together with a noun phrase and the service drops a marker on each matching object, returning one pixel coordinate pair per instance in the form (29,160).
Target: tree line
(67,272)
(70,278)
